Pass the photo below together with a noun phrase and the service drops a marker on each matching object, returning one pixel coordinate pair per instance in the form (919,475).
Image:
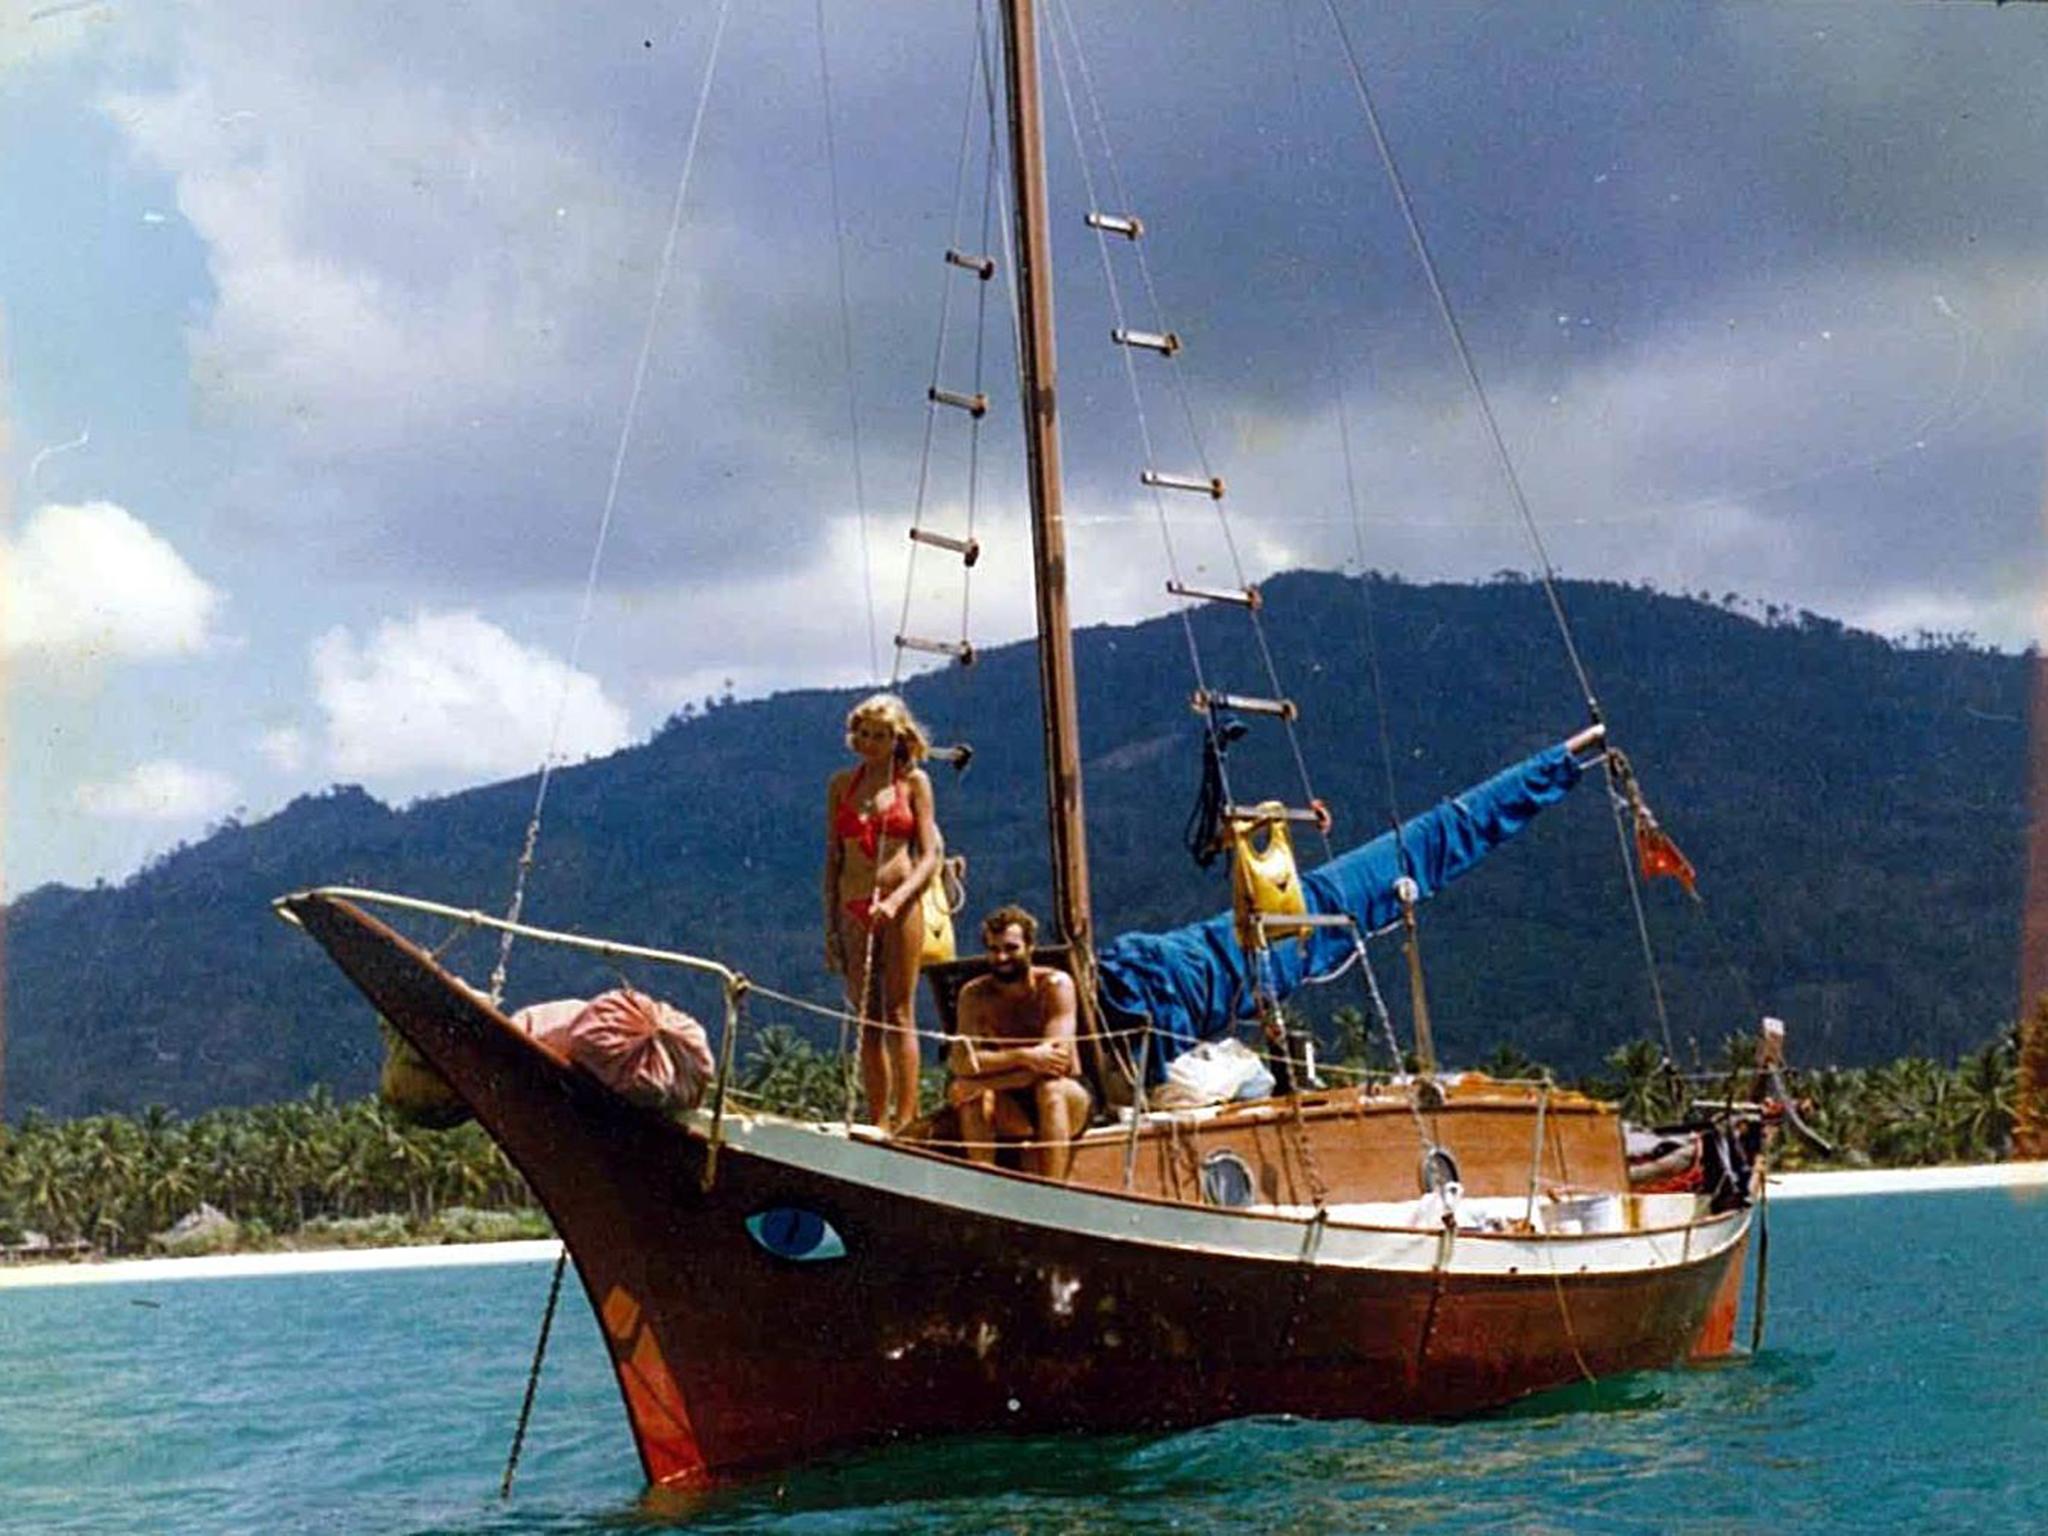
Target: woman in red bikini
(882,847)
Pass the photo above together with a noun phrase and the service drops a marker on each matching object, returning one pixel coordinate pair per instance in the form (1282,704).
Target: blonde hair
(912,745)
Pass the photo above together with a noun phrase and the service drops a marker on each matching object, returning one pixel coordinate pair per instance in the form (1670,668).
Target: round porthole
(790,1232)
(1227,1180)
(1439,1169)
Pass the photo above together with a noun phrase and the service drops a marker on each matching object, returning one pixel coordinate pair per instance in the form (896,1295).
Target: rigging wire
(1382,725)
(1505,460)
(1354,508)
(988,205)
(1216,728)
(1456,333)
(627,424)
(1175,374)
(1376,1002)
(540,794)
(1005,230)
(932,406)
(1131,377)
(540,1354)
(1642,917)
(860,499)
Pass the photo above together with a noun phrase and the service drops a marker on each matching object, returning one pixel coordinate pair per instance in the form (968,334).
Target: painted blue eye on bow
(791,1233)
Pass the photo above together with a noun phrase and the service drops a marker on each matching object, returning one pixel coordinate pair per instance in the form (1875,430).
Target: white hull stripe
(829,1153)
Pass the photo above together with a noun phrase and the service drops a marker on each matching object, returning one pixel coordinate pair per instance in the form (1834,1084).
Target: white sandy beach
(228,1266)
(1784,1186)
(1907,1181)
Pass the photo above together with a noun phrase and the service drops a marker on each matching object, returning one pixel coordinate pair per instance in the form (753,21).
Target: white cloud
(50,31)
(94,582)
(806,625)
(285,748)
(449,697)
(161,790)
(442,315)
(369,291)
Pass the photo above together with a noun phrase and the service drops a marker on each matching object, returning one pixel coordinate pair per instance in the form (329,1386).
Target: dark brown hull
(974,1300)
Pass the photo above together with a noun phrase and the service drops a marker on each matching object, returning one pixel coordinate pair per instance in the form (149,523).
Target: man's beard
(1009,970)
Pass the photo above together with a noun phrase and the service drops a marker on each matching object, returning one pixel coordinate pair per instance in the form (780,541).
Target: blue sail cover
(1195,982)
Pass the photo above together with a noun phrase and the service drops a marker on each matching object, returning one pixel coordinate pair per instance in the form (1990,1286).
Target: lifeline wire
(611,499)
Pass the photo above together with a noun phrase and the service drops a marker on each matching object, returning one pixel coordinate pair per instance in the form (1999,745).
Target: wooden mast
(1048,529)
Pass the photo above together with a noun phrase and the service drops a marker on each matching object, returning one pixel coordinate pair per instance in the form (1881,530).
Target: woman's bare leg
(902,943)
(874,1073)
(859,945)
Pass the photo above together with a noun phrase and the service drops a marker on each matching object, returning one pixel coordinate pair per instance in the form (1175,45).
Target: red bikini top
(898,821)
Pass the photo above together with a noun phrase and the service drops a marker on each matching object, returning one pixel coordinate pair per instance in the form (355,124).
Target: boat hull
(976,1300)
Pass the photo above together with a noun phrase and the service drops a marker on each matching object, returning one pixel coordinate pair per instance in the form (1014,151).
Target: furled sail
(1195,982)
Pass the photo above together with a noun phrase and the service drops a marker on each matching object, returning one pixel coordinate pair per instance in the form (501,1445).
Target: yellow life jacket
(1263,878)
(944,894)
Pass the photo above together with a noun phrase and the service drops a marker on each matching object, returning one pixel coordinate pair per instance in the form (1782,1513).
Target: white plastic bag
(1217,1071)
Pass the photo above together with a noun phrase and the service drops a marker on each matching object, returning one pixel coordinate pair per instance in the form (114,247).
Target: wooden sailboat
(770,1288)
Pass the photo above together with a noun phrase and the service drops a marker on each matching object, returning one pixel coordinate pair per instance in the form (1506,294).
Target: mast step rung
(1293,920)
(1165,343)
(1207,700)
(1129,225)
(983,267)
(961,651)
(969,550)
(1243,597)
(1312,815)
(975,405)
(1209,485)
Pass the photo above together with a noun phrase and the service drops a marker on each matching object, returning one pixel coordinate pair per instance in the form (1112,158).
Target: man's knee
(1061,1100)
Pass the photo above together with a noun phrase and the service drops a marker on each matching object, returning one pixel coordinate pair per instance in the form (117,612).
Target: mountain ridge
(1856,808)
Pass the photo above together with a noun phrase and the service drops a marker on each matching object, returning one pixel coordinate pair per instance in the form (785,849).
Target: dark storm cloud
(1621,197)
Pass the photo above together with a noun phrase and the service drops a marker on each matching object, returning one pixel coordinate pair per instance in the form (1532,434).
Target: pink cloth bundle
(641,1048)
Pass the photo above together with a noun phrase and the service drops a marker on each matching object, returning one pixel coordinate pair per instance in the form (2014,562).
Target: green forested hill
(1855,808)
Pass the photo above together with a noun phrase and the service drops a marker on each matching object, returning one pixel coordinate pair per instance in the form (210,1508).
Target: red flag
(1658,855)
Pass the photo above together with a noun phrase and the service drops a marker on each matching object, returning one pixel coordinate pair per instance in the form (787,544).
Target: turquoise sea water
(1903,1384)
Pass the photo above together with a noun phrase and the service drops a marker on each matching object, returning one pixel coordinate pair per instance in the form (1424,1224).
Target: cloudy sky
(320,327)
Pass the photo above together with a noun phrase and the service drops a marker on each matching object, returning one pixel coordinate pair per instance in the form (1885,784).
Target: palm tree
(1645,1086)
(1910,1112)
(1986,1091)
(792,1076)
(1511,1064)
